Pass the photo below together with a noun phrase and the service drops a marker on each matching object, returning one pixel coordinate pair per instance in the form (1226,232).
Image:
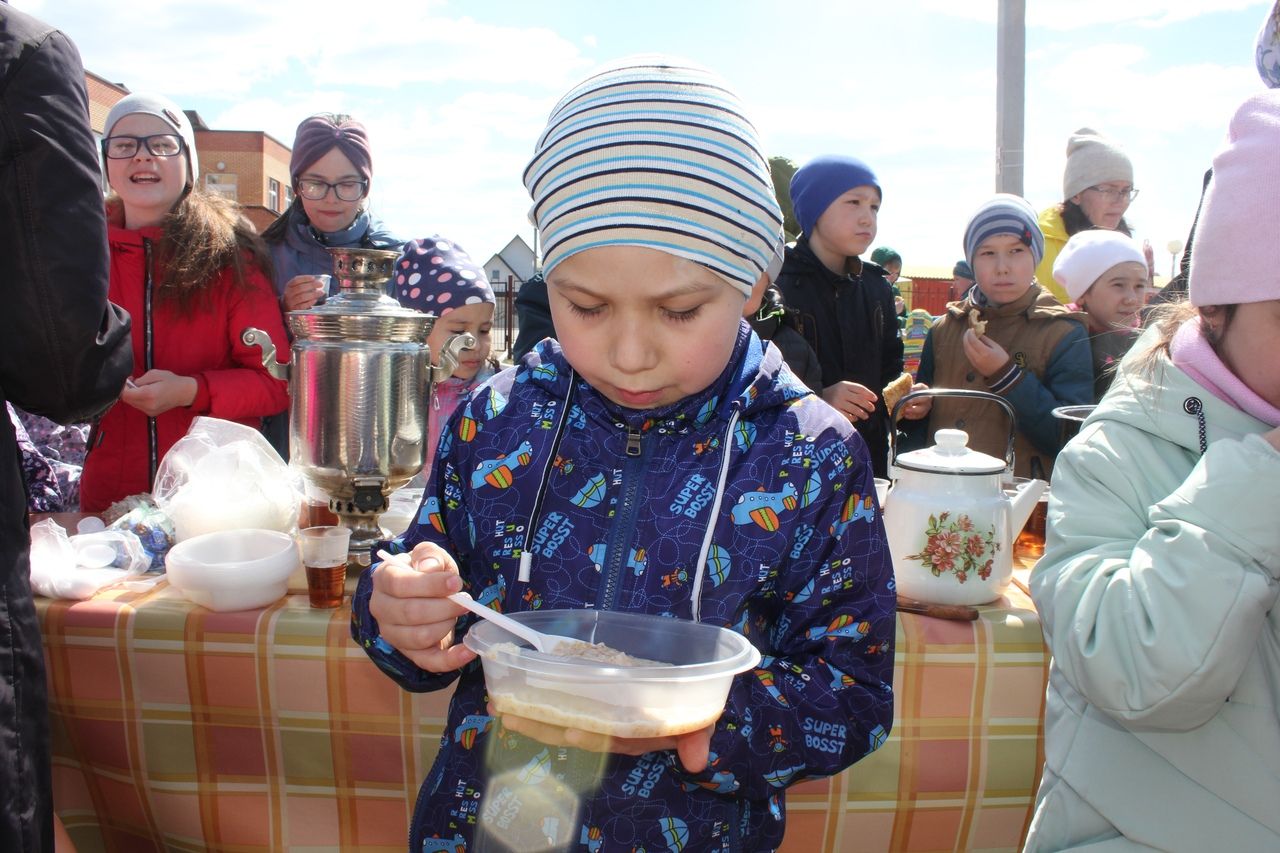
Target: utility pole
(1011,90)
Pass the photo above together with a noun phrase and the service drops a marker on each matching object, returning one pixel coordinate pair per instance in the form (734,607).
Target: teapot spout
(1024,501)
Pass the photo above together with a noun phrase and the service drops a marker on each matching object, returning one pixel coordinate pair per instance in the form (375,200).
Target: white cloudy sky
(454,94)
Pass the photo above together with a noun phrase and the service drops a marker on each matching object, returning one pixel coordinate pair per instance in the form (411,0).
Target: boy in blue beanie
(845,305)
(657,459)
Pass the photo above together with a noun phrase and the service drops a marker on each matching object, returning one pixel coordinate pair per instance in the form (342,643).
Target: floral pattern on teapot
(957,547)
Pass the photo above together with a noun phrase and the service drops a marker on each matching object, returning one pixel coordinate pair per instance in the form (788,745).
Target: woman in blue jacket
(331,170)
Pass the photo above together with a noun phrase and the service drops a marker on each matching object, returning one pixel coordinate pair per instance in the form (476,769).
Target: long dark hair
(1074,220)
(274,233)
(203,235)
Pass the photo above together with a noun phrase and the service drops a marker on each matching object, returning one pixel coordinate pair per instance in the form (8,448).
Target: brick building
(247,166)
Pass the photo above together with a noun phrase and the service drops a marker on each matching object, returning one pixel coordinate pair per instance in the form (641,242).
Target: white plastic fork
(545,643)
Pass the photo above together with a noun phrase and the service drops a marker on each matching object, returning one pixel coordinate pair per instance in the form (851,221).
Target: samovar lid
(361,310)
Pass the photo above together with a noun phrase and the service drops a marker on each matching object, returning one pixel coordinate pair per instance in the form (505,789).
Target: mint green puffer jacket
(1157,593)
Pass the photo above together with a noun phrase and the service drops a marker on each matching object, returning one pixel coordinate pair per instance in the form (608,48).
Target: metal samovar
(359,376)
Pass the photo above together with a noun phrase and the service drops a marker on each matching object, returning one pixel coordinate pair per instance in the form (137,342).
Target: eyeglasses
(314,190)
(159,144)
(1116,195)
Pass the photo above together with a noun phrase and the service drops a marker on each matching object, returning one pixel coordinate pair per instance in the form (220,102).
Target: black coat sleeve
(67,349)
(890,343)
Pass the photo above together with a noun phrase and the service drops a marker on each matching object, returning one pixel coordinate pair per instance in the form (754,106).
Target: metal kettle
(360,379)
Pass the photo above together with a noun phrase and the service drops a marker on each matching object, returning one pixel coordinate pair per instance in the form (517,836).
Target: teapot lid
(951,455)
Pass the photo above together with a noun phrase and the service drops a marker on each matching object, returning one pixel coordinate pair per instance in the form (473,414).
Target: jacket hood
(1051,224)
(755,379)
(125,237)
(807,263)
(1158,398)
(1037,303)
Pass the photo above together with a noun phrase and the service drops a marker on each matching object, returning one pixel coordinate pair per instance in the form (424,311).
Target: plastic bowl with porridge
(642,676)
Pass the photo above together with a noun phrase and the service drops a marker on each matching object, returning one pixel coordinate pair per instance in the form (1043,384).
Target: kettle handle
(952,392)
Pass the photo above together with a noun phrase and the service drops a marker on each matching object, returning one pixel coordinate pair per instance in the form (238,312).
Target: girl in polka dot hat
(437,277)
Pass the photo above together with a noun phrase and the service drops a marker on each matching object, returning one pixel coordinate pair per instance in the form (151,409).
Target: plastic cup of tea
(322,288)
(324,554)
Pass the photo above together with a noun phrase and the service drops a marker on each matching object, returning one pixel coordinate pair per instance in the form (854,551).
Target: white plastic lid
(90,524)
(951,455)
(95,555)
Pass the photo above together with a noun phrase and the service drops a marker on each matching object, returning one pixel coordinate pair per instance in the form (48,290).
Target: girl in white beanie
(1097,187)
(1104,274)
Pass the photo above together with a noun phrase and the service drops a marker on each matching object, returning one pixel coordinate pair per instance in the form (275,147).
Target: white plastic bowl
(233,569)
(401,511)
(685,694)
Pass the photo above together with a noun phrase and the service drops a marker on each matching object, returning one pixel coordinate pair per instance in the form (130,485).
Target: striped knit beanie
(657,153)
(1004,214)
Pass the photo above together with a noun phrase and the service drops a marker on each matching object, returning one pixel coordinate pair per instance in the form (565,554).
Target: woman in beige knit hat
(1097,187)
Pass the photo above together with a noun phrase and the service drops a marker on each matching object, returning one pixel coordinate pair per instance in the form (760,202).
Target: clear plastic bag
(154,530)
(79,566)
(225,476)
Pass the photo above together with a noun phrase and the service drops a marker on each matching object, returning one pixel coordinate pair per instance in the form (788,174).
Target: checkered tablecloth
(179,729)
(960,769)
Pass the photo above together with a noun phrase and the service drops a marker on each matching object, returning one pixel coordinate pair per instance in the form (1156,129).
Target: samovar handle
(449,355)
(254,337)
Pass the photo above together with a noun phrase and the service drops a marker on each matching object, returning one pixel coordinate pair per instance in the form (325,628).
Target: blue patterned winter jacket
(749,505)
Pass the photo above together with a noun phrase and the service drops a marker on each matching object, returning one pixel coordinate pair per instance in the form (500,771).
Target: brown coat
(1032,329)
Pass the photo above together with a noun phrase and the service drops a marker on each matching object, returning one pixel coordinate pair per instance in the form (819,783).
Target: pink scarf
(1194,356)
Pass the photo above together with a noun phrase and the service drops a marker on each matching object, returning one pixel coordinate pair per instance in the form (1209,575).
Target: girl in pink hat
(1160,580)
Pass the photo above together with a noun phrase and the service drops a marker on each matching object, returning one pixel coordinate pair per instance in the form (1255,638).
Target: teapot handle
(952,392)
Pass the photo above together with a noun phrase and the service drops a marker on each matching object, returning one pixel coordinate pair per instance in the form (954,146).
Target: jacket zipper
(153,440)
(625,523)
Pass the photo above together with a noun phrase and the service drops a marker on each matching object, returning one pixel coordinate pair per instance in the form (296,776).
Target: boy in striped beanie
(658,459)
(1007,336)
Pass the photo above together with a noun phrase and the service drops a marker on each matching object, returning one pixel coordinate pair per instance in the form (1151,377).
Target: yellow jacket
(1055,237)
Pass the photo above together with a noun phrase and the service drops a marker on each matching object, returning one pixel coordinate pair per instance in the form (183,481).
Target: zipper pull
(633,442)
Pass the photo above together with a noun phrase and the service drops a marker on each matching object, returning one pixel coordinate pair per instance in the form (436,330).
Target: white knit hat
(165,110)
(1088,255)
(1093,159)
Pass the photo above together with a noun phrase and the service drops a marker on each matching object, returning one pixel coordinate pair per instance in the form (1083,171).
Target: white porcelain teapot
(950,524)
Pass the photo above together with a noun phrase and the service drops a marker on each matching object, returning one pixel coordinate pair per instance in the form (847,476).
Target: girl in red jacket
(193,274)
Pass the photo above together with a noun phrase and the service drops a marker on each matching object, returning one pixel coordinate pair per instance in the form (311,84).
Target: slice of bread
(976,322)
(896,390)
